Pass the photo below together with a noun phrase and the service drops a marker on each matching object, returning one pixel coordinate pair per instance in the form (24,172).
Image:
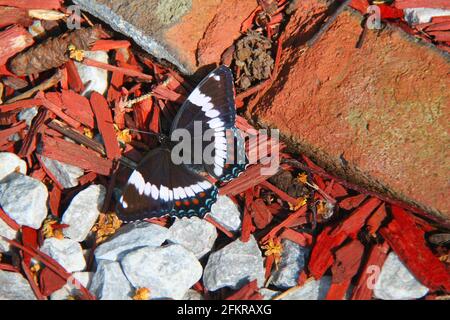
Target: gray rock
(66,174)
(94,79)
(24,199)
(227,213)
(29,113)
(7,232)
(233,265)
(167,271)
(110,283)
(268,294)
(423,15)
(291,265)
(312,290)
(66,252)
(9,163)
(15,287)
(195,234)
(395,282)
(121,17)
(131,237)
(193,295)
(83,211)
(70,289)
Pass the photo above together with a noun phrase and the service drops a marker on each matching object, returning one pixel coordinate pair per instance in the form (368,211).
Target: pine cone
(53,52)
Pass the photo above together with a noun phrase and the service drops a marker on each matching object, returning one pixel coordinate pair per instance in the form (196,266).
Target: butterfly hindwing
(158,187)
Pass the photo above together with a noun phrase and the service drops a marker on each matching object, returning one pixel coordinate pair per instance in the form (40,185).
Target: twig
(53,80)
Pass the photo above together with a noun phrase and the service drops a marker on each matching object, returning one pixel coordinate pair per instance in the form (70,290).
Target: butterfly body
(162,185)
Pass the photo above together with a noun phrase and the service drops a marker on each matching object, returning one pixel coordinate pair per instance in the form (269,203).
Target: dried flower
(123,136)
(445,258)
(35,268)
(300,203)
(106,226)
(88,133)
(74,53)
(51,229)
(302,177)
(142,294)
(273,247)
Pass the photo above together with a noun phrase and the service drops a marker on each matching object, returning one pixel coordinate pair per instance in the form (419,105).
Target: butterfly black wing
(158,187)
(211,104)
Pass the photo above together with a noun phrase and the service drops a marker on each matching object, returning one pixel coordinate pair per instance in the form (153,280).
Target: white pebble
(195,234)
(234,265)
(7,232)
(24,199)
(109,282)
(226,213)
(66,252)
(9,163)
(83,211)
(94,79)
(66,174)
(395,282)
(167,271)
(130,237)
(14,287)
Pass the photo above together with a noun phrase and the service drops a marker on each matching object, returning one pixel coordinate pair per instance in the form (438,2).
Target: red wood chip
(408,242)
(12,41)
(74,154)
(50,281)
(32,4)
(352,202)
(78,107)
(366,282)
(261,214)
(105,125)
(347,261)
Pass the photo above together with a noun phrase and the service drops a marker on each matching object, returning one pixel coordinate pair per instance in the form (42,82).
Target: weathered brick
(377,116)
(187,33)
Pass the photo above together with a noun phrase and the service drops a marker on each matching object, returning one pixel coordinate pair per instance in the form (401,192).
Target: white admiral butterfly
(159,187)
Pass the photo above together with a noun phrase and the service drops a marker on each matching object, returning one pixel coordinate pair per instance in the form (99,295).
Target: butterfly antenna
(146,132)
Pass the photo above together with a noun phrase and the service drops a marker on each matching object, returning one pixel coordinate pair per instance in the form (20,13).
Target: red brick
(377,116)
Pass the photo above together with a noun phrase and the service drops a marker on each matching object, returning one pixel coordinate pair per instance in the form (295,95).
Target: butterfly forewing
(212,105)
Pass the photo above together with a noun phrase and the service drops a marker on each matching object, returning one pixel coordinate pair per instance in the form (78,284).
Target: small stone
(9,163)
(94,79)
(15,287)
(83,211)
(110,283)
(28,114)
(396,282)
(423,15)
(193,295)
(268,294)
(195,234)
(66,174)
(234,265)
(131,237)
(167,271)
(70,289)
(66,252)
(24,199)
(226,213)
(312,290)
(7,232)
(291,264)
